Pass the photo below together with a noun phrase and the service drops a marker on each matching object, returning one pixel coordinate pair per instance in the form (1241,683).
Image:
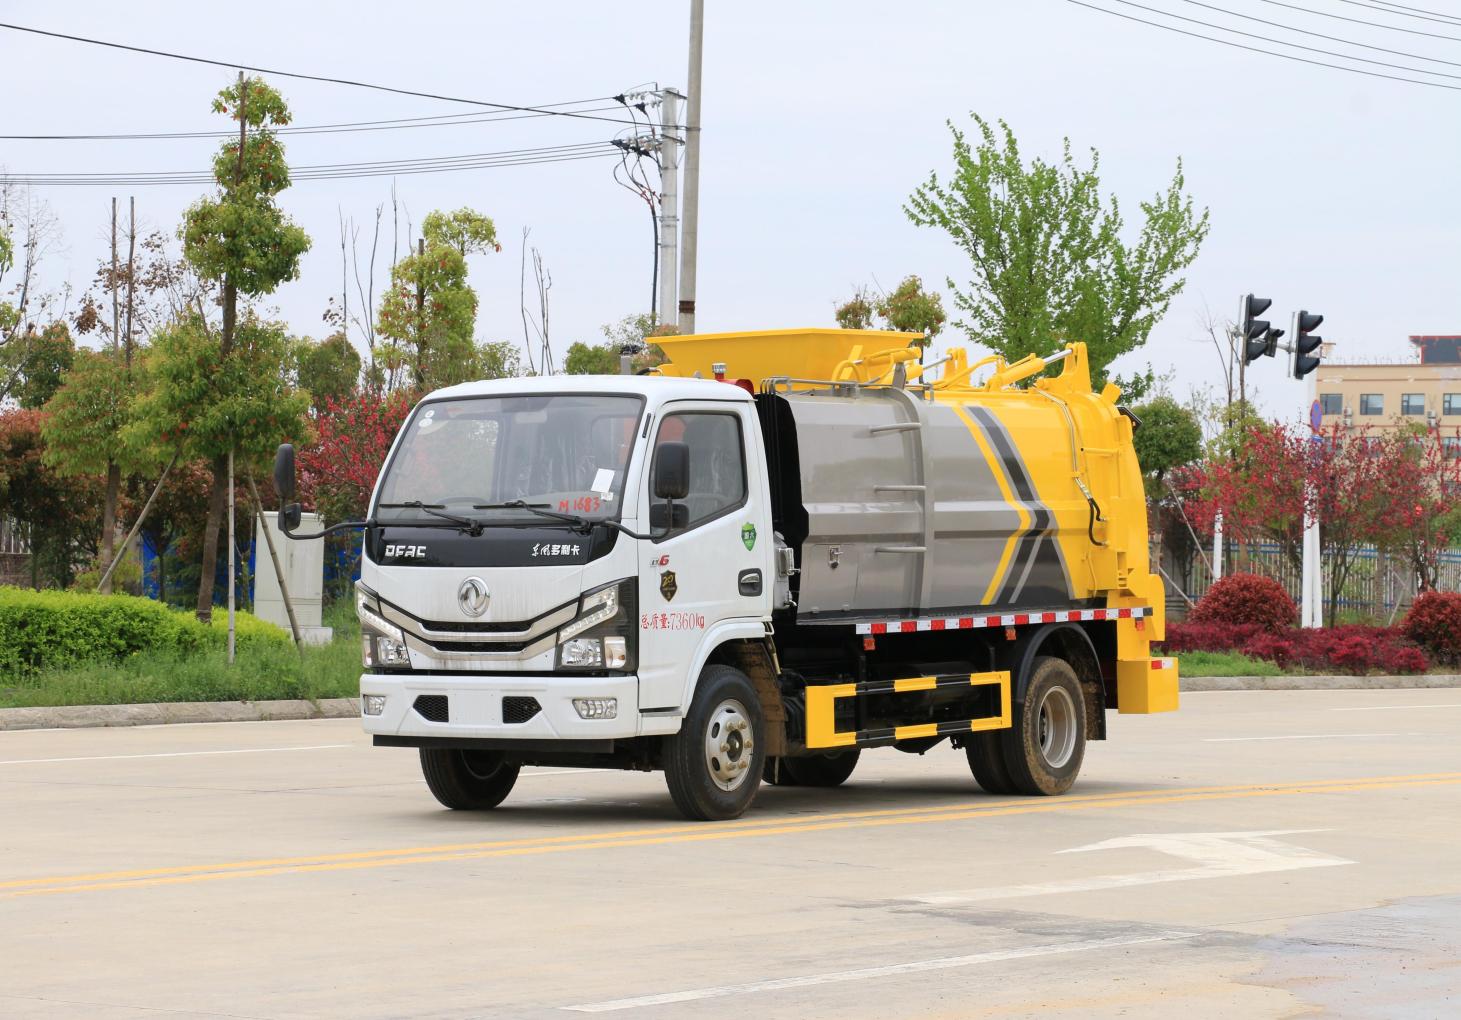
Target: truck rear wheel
(468,780)
(713,765)
(1044,749)
(986,761)
(821,769)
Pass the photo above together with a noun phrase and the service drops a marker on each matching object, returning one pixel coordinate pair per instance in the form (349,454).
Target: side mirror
(289,511)
(671,470)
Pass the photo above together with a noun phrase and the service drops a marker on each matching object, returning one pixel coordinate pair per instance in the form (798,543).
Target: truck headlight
(382,642)
(603,634)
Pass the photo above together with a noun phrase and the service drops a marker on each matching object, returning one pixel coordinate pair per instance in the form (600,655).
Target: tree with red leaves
(1422,472)
(338,472)
(1282,473)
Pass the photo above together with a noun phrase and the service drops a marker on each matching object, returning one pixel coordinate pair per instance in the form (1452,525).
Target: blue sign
(1316,416)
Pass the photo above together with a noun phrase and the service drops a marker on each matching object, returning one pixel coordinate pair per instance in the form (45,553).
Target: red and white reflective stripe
(1162,663)
(1003,620)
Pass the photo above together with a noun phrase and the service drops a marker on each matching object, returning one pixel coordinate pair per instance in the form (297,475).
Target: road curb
(1318,683)
(76,716)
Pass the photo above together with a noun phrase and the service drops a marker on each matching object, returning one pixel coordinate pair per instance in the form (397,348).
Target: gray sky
(1328,190)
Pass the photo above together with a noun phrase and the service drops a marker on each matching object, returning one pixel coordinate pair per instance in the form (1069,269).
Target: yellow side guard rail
(822,731)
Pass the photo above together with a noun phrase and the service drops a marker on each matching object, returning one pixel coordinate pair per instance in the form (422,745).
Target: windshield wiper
(471,527)
(580,524)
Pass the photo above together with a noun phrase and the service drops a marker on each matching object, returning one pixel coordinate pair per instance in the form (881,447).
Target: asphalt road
(1259,854)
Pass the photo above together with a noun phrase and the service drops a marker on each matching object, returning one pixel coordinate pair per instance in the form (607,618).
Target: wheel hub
(729,745)
(1057,727)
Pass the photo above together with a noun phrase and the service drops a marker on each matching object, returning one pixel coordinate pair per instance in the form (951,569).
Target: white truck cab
(533,628)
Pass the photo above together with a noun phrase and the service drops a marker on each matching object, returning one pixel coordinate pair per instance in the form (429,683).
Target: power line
(1321,35)
(1282,42)
(392,124)
(333,171)
(1419,10)
(1406,12)
(1361,21)
(234,65)
(1259,49)
(312,167)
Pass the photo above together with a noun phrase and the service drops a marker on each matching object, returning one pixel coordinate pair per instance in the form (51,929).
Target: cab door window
(717,462)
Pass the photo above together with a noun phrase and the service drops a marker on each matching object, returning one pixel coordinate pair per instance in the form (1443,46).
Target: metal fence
(1379,586)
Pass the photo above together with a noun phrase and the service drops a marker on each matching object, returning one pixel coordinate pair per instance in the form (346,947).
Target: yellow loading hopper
(798,353)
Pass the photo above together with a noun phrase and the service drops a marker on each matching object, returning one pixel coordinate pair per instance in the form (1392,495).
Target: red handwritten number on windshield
(581,504)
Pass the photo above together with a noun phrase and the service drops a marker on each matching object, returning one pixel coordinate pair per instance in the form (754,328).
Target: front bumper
(474,706)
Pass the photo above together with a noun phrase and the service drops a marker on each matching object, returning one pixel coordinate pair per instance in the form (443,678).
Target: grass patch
(1225,664)
(261,671)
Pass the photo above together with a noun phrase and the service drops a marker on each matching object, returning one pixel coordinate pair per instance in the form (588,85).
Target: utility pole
(690,229)
(669,206)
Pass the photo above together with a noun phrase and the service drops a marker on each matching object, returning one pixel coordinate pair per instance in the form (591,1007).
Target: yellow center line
(396,854)
(692,834)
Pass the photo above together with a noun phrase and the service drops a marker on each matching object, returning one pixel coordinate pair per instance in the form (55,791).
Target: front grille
(518,709)
(432,707)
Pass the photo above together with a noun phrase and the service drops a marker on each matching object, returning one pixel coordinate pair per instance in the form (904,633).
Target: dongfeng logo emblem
(473,596)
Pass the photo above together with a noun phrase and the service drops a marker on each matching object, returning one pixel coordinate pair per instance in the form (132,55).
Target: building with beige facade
(1423,391)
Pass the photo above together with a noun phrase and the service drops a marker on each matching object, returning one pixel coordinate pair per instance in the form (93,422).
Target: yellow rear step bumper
(1146,685)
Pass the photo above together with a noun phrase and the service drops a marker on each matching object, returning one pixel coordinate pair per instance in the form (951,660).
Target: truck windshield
(561,452)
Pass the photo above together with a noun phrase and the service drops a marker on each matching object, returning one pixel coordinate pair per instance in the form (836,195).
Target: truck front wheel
(1044,749)
(713,765)
(468,780)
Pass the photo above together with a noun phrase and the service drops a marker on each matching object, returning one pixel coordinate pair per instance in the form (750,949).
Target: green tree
(86,430)
(242,238)
(909,309)
(599,359)
(328,370)
(466,230)
(428,315)
(203,403)
(35,362)
(857,311)
(1049,261)
(497,359)
(1169,437)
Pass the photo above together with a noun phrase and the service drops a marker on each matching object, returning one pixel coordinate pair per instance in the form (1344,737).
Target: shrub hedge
(1247,599)
(1349,649)
(1434,623)
(46,629)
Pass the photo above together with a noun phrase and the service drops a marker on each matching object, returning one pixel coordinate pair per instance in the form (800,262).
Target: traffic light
(1252,330)
(1305,344)
(1270,342)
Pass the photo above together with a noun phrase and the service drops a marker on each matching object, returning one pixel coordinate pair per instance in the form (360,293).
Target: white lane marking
(173,754)
(1384,708)
(866,973)
(1305,736)
(1218,855)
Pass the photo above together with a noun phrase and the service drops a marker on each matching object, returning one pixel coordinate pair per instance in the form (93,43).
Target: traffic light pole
(1311,584)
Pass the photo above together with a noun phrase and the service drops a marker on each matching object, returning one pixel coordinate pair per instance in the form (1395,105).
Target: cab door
(715,563)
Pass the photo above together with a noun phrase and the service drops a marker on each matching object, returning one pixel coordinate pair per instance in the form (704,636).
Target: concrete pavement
(1256,854)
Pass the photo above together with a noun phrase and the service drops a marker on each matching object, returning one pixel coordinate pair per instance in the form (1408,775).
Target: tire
(821,769)
(1044,749)
(772,775)
(986,761)
(468,780)
(713,766)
